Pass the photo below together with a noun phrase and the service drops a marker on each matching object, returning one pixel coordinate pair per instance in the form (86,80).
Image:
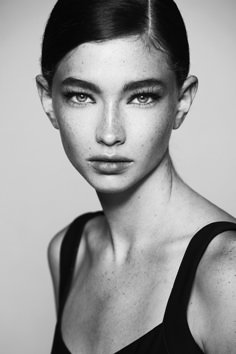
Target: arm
(54,262)
(216,278)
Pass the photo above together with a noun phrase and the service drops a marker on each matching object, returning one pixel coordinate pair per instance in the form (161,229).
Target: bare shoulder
(88,238)
(216,294)
(54,248)
(212,307)
(195,211)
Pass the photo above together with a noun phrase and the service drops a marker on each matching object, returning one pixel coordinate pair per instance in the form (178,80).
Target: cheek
(154,133)
(74,137)
(69,140)
(76,128)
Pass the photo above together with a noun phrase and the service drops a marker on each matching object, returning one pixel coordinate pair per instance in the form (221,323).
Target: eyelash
(72,97)
(149,94)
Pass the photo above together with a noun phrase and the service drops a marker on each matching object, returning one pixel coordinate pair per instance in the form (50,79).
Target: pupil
(143,98)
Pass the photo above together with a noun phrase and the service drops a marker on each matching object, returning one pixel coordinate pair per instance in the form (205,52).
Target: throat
(139,218)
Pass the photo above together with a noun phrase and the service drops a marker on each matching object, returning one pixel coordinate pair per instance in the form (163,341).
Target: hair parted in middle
(74,22)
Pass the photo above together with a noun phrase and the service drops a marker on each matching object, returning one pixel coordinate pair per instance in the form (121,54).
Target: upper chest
(115,307)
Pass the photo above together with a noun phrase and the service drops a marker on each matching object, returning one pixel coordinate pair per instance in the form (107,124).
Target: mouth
(109,158)
(113,164)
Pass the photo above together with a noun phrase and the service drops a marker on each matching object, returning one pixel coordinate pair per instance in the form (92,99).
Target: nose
(110,129)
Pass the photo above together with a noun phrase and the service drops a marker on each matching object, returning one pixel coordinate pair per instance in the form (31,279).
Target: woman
(146,274)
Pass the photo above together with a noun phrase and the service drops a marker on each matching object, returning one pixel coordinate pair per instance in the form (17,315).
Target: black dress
(172,336)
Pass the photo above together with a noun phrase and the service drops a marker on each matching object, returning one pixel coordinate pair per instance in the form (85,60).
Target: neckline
(88,217)
(128,346)
(194,239)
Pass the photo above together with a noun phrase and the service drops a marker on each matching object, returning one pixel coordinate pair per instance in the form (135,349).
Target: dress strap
(175,323)
(68,253)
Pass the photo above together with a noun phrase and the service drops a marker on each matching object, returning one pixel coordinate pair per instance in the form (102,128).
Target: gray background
(40,192)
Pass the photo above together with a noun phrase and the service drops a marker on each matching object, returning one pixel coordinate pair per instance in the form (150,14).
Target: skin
(108,123)
(150,214)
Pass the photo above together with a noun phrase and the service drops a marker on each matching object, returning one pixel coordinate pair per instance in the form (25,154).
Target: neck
(136,215)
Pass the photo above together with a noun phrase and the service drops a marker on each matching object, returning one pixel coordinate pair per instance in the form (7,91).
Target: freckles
(152,138)
(155,137)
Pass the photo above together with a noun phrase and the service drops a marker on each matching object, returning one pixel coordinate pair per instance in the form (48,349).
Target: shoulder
(218,264)
(89,222)
(54,248)
(216,293)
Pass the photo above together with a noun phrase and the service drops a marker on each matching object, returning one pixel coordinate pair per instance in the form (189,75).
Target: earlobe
(186,97)
(46,99)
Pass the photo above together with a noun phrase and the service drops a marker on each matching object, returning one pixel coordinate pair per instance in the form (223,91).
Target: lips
(113,164)
(109,158)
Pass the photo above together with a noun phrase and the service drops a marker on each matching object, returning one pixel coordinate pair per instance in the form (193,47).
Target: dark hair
(73,22)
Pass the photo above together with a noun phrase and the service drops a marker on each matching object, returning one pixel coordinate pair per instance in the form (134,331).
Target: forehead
(115,61)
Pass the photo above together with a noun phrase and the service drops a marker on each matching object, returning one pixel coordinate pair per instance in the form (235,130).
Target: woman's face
(115,104)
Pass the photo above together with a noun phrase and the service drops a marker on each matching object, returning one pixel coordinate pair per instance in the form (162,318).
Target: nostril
(110,128)
(109,139)
(110,135)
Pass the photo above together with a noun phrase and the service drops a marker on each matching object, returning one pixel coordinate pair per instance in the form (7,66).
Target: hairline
(146,36)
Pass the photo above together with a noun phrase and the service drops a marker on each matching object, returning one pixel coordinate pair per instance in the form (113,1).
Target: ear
(46,99)
(186,97)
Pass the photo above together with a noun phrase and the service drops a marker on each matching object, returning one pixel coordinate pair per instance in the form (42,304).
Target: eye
(78,98)
(144,98)
(81,97)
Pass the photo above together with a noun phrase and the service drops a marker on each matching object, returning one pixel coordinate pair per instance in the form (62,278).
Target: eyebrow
(129,86)
(71,81)
(134,85)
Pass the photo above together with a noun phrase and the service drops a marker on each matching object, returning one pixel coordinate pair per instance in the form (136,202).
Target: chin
(110,189)
(109,184)
(115,184)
